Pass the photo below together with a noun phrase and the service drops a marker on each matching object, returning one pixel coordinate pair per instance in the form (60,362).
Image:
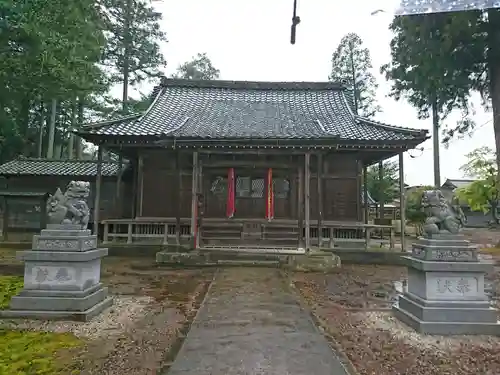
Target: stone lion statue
(71,206)
(442,216)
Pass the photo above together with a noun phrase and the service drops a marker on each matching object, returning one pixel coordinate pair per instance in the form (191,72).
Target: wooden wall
(164,196)
(49,184)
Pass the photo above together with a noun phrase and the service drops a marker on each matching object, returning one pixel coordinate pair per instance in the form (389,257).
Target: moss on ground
(9,286)
(29,352)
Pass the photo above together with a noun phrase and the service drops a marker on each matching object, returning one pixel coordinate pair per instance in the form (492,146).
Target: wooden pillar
(402,203)
(359,191)
(5,226)
(194,199)
(199,202)
(178,167)
(300,205)
(307,191)
(119,176)
(366,205)
(140,183)
(134,189)
(381,212)
(320,197)
(97,196)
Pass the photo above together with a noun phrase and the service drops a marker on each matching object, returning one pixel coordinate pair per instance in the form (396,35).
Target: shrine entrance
(250,196)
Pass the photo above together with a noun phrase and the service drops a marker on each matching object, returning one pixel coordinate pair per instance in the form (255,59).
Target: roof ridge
(253,85)
(21,158)
(390,127)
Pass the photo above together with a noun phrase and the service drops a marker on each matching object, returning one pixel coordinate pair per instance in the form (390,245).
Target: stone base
(81,316)
(193,258)
(446,328)
(314,261)
(448,311)
(59,305)
(59,301)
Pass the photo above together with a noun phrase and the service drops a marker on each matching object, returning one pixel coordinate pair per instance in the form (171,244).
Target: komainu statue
(442,216)
(70,207)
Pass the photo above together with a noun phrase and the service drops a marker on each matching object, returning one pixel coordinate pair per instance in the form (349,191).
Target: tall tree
(133,44)
(465,58)
(199,67)
(351,65)
(49,51)
(426,69)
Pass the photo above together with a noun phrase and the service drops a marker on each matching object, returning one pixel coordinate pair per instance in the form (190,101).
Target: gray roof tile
(46,167)
(252,110)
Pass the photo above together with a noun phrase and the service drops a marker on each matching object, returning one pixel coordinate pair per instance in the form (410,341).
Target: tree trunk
(354,83)
(126,55)
(71,139)
(493,59)
(41,129)
(435,142)
(79,145)
(52,129)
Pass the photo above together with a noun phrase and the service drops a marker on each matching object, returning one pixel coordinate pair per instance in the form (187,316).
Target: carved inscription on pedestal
(54,244)
(90,244)
(457,286)
(453,255)
(53,275)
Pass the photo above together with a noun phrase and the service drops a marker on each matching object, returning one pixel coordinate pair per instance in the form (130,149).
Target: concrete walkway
(252,324)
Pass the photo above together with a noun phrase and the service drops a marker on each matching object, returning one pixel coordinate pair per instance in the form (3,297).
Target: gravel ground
(352,305)
(142,332)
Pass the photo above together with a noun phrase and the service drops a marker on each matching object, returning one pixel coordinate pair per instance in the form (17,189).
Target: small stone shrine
(445,292)
(62,271)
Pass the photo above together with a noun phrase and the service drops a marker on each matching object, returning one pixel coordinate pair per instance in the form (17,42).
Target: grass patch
(491,250)
(9,286)
(30,353)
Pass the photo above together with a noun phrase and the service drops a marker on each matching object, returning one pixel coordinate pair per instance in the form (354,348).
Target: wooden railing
(145,230)
(240,231)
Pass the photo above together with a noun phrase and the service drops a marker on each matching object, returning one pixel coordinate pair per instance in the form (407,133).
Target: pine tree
(133,43)
(351,65)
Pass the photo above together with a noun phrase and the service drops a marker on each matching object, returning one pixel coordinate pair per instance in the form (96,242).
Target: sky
(249,40)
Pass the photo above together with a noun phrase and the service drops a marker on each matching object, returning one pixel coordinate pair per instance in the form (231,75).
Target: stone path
(252,324)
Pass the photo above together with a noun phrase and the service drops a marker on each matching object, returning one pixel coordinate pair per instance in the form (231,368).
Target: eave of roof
(50,167)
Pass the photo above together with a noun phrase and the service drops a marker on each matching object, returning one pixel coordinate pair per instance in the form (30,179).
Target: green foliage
(481,163)
(133,43)
(482,194)
(413,208)
(9,286)
(387,189)
(49,50)
(444,57)
(351,65)
(30,353)
(73,53)
(200,67)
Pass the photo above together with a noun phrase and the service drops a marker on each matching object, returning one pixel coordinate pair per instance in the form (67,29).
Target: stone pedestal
(61,277)
(445,293)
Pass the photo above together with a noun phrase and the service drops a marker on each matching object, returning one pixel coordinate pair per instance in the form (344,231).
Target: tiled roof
(46,167)
(457,184)
(253,110)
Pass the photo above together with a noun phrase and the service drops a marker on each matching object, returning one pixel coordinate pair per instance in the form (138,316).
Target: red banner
(269,195)
(230,205)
